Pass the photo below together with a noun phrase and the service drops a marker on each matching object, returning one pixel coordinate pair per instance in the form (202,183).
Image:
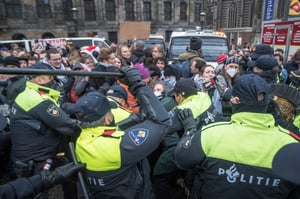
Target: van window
(211,47)
(77,42)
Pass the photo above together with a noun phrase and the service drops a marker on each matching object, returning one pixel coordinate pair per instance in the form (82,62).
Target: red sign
(281,36)
(268,34)
(296,34)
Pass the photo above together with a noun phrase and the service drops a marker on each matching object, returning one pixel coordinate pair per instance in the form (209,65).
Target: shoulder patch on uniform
(53,110)
(171,113)
(138,136)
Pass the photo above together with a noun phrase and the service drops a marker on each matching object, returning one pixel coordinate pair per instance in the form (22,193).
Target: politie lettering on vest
(235,158)
(115,154)
(234,176)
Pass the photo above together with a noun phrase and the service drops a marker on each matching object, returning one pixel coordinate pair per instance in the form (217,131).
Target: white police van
(213,44)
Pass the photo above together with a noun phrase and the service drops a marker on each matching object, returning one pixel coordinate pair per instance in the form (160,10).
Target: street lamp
(74,12)
(202,19)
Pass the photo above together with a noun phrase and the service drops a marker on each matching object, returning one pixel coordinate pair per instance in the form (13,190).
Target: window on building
(183,11)
(110,10)
(129,10)
(89,10)
(168,10)
(147,11)
(13,8)
(232,17)
(43,9)
(113,36)
(67,6)
(197,12)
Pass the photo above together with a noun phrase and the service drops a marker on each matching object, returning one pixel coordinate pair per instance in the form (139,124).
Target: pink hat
(144,72)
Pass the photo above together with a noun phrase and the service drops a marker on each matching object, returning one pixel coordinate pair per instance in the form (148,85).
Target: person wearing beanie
(196,43)
(11,62)
(144,72)
(225,80)
(221,61)
(234,159)
(193,53)
(171,75)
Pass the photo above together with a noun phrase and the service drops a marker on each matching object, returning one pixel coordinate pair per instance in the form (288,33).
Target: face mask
(231,72)
(157,93)
(170,81)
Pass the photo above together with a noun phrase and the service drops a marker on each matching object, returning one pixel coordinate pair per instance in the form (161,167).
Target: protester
(225,81)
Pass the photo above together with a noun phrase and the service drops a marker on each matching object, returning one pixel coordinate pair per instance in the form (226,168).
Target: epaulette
(294,135)
(215,124)
(108,132)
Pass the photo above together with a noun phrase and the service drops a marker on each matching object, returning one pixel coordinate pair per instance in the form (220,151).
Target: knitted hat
(221,58)
(11,61)
(232,60)
(261,49)
(171,70)
(144,72)
(195,43)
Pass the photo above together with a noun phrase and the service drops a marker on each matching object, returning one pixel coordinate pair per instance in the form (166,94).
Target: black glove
(50,178)
(132,78)
(187,119)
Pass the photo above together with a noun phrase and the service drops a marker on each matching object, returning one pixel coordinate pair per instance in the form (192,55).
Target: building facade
(240,19)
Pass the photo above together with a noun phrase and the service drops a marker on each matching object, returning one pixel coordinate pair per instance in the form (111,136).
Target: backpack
(184,67)
(73,97)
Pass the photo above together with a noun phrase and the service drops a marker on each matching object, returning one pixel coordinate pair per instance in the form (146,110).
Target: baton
(81,181)
(28,71)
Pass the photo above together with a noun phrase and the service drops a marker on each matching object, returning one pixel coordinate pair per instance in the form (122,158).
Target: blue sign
(269,8)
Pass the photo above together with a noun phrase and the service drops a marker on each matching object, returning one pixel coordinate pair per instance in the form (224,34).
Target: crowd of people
(162,129)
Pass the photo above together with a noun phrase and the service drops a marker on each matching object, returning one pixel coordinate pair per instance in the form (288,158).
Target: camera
(208,85)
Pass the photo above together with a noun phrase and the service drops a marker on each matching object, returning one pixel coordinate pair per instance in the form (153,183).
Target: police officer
(286,163)
(235,157)
(116,164)
(37,126)
(165,171)
(30,187)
